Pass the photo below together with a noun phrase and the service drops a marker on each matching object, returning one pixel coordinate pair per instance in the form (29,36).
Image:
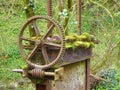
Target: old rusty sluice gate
(49,61)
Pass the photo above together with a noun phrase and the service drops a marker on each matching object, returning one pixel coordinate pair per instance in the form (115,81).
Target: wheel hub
(38,42)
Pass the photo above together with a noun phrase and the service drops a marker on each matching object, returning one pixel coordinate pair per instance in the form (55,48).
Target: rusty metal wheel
(37,39)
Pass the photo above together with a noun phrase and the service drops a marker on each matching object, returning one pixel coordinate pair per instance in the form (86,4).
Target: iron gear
(40,43)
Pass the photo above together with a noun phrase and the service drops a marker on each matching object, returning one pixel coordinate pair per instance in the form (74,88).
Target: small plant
(113,78)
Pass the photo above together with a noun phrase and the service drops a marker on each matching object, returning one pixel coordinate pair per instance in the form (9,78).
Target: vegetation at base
(112,77)
(99,17)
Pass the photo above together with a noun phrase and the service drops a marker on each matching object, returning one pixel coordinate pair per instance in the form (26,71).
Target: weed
(112,76)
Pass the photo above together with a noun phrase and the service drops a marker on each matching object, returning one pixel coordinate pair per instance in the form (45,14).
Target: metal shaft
(49,10)
(49,74)
(79,16)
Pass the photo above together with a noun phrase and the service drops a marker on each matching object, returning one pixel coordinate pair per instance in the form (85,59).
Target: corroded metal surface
(37,73)
(74,78)
(40,87)
(49,7)
(41,43)
(49,10)
(73,55)
(79,54)
(56,74)
(79,16)
(46,86)
(87,74)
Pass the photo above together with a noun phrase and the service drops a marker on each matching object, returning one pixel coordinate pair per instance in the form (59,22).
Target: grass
(10,22)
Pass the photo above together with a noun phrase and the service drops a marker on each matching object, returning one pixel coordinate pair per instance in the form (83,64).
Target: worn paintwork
(74,78)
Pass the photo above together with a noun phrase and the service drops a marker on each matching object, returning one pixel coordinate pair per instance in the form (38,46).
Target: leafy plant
(113,80)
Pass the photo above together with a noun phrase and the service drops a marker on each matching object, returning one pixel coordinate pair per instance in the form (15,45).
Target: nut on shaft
(40,73)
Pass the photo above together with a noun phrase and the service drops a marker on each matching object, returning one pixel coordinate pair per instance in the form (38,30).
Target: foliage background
(100,18)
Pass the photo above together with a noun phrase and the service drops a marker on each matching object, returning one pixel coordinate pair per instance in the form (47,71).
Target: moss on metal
(74,41)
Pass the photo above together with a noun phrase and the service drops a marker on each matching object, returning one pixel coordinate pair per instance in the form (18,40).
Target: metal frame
(47,85)
(87,61)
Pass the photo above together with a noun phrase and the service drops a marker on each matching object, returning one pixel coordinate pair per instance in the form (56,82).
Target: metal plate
(73,56)
(79,54)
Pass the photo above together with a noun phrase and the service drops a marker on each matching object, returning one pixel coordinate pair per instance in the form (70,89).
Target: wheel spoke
(27,39)
(53,44)
(32,53)
(49,31)
(45,55)
(36,28)
(28,47)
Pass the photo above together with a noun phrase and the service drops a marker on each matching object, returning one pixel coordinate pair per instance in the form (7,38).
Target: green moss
(92,44)
(32,38)
(86,44)
(25,67)
(77,44)
(68,45)
(73,41)
(70,38)
(86,34)
(82,38)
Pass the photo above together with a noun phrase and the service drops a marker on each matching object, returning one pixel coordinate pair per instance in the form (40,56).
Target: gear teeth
(63,36)
(51,8)
(62,50)
(61,29)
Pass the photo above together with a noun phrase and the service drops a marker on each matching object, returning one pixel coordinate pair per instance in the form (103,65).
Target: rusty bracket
(59,73)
